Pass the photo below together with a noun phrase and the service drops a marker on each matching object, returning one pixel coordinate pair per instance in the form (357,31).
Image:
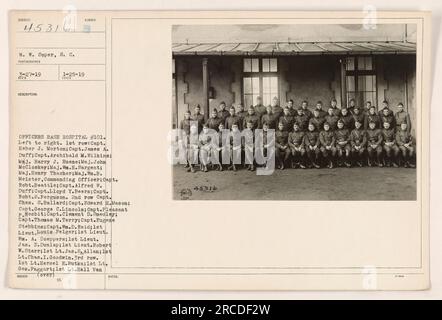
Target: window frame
(260,75)
(356,72)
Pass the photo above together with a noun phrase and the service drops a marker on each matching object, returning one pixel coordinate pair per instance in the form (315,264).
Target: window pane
(361,63)
(255,65)
(247,65)
(248,100)
(368,63)
(265,65)
(273,65)
(365,63)
(351,83)
(255,85)
(173,66)
(274,84)
(350,65)
(247,85)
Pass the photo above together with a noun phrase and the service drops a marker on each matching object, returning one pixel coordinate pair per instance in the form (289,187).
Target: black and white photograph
(294,112)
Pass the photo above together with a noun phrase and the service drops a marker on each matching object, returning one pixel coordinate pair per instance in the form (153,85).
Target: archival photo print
(294,112)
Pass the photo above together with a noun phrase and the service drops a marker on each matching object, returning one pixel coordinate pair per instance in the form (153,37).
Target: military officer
(343,149)
(358,142)
(296,144)
(327,143)
(404,141)
(374,144)
(253,118)
(389,145)
(232,119)
(287,119)
(311,142)
(282,150)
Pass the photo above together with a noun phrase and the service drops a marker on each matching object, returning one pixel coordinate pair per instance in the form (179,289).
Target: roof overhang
(293,48)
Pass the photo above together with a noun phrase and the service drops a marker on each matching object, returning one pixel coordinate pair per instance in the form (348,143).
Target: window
(360,79)
(260,78)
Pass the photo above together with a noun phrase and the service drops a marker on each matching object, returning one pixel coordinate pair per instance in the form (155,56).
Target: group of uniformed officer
(347,136)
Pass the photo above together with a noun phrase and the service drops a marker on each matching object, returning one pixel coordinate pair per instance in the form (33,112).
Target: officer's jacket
(307,113)
(223,114)
(281,138)
(348,121)
(241,114)
(336,111)
(231,120)
(287,121)
(260,110)
(200,119)
(342,135)
(322,113)
(277,111)
(403,137)
(213,123)
(390,119)
(296,138)
(317,122)
(311,138)
(388,135)
(185,125)
(403,117)
(372,118)
(358,137)
(360,117)
(327,138)
(270,119)
(254,118)
(332,121)
(302,121)
(374,136)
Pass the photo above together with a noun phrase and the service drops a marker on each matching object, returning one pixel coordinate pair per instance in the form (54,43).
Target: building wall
(301,78)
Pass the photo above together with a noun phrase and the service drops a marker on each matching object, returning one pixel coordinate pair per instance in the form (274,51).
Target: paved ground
(297,184)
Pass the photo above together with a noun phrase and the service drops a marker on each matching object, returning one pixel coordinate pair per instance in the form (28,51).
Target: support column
(343,84)
(205,102)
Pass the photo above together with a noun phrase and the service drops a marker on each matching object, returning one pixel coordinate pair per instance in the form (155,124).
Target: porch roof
(294,48)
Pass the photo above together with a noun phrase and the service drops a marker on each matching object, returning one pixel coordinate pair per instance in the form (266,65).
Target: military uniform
(358,142)
(200,119)
(231,120)
(374,144)
(277,111)
(282,150)
(332,120)
(241,115)
(402,117)
(360,117)
(271,119)
(311,139)
(404,138)
(390,147)
(223,114)
(213,123)
(328,148)
(254,118)
(296,143)
(336,111)
(302,122)
(260,110)
(390,119)
(307,112)
(288,122)
(322,113)
(185,125)
(372,118)
(349,121)
(342,137)
(318,123)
